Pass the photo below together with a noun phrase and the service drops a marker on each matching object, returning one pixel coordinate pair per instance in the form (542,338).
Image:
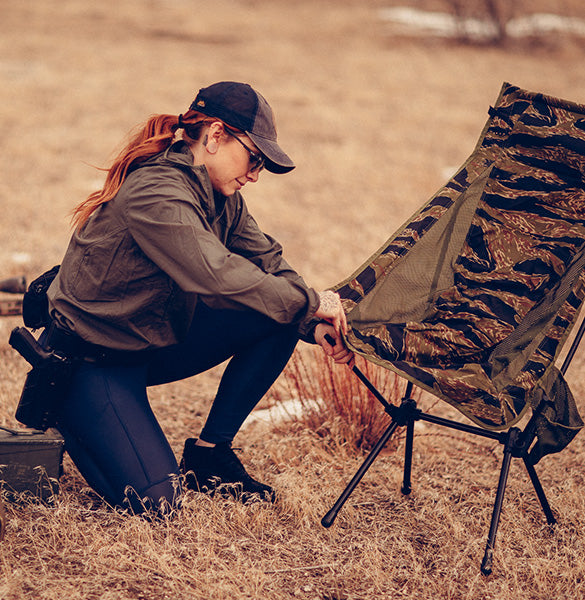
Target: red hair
(155,136)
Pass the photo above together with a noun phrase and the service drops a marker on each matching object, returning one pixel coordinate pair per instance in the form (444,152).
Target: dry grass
(335,404)
(375,121)
(383,545)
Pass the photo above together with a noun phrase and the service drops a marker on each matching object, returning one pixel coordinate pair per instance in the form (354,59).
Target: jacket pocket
(108,268)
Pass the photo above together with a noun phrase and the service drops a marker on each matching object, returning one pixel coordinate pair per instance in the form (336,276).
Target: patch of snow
(20,258)
(280,412)
(544,23)
(447,25)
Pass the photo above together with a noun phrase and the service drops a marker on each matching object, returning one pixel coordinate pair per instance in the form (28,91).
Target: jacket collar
(179,155)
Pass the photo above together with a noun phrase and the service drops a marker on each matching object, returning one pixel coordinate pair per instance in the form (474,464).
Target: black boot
(218,469)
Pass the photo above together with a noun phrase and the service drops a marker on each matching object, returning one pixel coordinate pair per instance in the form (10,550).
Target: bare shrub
(494,14)
(335,404)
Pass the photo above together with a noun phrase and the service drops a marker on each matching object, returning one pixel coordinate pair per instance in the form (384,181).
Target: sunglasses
(256,161)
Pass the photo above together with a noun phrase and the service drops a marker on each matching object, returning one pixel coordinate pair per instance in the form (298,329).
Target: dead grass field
(376,122)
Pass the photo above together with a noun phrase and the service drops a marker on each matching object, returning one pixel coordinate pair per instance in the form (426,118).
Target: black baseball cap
(241,107)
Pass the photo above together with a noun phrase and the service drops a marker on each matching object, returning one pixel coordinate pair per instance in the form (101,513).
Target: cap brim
(277,161)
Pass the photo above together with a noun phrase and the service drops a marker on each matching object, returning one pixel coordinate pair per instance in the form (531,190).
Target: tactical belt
(72,346)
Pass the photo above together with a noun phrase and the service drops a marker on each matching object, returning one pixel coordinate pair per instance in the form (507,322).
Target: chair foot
(486,563)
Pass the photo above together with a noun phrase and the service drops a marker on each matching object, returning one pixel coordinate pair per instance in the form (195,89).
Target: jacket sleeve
(171,228)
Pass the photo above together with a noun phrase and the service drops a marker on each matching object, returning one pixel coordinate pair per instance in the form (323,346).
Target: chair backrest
(474,296)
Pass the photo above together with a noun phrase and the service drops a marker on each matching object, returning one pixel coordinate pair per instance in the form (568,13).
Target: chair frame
(516,443)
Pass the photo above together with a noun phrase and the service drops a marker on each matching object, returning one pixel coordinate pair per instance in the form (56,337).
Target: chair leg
(514,446)
(406,481)
(486,564)
(550,518)
(328,519)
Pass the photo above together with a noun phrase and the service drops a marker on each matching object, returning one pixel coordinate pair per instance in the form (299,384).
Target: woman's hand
(338,351)
(330,310)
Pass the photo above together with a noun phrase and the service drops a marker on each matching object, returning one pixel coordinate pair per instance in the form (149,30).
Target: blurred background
(378,101)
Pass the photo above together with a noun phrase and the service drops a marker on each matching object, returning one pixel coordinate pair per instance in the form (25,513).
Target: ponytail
(155,136)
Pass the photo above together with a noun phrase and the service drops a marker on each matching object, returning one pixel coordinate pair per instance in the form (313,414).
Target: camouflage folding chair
(473,298)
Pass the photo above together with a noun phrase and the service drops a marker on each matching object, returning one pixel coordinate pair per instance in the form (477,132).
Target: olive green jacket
(131,277)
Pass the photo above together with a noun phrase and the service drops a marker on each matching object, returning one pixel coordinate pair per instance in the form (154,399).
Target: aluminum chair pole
(517,445)
(486,564)
(548,513)
(408,448)
(573,347)
(329,518)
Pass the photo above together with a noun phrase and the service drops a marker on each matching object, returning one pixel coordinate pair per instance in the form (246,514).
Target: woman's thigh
(113,437)
(214,336)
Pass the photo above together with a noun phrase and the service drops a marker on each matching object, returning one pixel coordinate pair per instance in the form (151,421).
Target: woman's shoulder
(177,160)
(169,169)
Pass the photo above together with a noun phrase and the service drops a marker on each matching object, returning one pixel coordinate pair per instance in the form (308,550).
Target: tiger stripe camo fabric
(473,298)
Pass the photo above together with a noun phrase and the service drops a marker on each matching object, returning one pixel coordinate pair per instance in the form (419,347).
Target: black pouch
(35,305)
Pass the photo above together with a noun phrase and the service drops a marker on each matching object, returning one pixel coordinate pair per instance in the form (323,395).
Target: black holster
(46,383)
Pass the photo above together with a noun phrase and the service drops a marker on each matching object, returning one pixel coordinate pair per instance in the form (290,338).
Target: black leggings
(111,432)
